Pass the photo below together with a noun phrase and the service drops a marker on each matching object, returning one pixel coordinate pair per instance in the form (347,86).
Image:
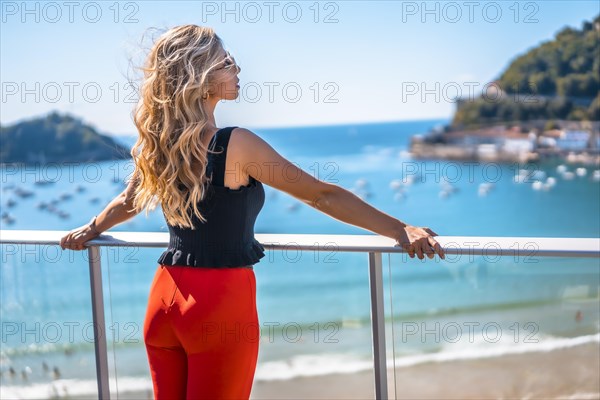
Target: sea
(313,306)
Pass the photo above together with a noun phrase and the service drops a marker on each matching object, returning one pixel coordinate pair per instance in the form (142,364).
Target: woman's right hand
(75,239)
(420,241)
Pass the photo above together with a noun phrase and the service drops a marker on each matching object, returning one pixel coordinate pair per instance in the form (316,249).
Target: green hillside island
(56,138)
(546,104)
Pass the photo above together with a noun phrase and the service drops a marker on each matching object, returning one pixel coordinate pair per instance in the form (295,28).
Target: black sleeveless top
(226,239)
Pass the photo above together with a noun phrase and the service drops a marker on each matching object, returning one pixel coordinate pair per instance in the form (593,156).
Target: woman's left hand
(76,238)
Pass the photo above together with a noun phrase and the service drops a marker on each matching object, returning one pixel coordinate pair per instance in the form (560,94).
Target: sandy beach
(569,373)
(565,373)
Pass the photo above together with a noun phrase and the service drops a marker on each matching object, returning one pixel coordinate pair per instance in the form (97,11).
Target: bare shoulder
(246,137)
(260,160)
(250,147)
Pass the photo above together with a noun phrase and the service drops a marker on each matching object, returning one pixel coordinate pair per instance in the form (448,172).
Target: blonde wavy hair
(169,156)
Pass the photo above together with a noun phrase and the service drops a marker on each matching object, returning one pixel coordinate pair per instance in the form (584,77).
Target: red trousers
(201,332)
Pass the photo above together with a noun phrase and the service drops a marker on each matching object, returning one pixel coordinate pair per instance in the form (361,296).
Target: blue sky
(303,63)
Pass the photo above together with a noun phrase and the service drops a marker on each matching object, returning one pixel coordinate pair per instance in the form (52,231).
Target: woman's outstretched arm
(119,210)
(261,161)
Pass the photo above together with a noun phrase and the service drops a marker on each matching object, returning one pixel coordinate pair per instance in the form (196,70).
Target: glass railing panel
(127,276)
(493,327)
(47,343)
(314,315)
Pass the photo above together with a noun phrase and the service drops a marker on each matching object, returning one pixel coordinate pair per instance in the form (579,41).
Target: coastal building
(518,146)
(522,142)
(573,140)
(495,143)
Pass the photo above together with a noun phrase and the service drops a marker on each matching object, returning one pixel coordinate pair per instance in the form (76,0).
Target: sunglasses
(228,63)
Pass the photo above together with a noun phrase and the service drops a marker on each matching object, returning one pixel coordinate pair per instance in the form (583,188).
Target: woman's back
(226,239)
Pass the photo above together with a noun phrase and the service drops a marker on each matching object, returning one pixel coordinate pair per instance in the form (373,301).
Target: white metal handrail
(459,245)
(374,245)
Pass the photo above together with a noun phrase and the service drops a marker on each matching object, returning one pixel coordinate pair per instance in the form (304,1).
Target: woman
(201,327)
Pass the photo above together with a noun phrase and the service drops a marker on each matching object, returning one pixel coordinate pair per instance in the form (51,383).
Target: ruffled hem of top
(250,256)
